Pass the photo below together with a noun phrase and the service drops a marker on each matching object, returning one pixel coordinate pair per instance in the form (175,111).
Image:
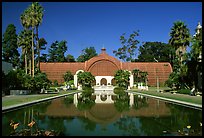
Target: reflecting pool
(126,116)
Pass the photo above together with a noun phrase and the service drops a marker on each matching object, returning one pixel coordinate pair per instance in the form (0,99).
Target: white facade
(107,79)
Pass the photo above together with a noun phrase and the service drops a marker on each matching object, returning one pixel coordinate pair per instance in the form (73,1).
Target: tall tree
(25,21)
(32,18)
(56,51)
(9,44)
(52,52)
(129,46)
(39,16)
(62,48)
(87,54)
(42,46)
(43,58)
(180,39)
(24,41)
(156,51)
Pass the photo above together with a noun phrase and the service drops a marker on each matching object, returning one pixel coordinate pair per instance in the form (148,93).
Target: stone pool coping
(17,106)
(188,104)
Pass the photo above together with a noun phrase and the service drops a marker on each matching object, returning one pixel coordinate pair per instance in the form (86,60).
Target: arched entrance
(103,81)
(113,82)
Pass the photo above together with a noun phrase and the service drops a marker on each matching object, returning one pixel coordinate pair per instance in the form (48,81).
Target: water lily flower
(188,126)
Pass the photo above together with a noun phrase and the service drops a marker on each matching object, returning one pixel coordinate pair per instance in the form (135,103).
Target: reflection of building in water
(106,98)
(106,113)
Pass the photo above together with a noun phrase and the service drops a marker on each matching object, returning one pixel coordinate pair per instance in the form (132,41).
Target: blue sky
(98,24)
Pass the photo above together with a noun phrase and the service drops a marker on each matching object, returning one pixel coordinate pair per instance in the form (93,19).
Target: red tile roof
(105,65)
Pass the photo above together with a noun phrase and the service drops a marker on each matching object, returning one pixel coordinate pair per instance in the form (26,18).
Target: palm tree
(34,16)
(24,41)
(39,16)
(25,21)
(180,38)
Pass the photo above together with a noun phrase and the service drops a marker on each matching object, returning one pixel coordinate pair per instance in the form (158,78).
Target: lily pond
(125,116)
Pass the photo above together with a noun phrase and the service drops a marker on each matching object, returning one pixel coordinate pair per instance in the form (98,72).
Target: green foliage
(56,51)
(129,46)
(68,76)
(70,58)
(31,18)
(42,46)
(9,44)
(87,54)
(180,38)
(86,79)
(38,82)
(150,51)
(44,58)
(25,42)
(122,78)
(55,83)
(17,79)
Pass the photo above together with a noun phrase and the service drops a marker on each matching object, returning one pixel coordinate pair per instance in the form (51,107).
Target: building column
(75,80)
(131,81)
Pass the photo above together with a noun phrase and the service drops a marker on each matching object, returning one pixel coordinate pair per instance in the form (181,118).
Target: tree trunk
(30,67)
(33,52)
(38,48)
(26,70)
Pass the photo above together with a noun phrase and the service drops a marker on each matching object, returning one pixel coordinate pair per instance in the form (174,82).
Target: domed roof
(102,56)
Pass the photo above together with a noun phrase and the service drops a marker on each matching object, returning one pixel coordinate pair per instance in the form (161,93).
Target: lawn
(14,100)
(180,97)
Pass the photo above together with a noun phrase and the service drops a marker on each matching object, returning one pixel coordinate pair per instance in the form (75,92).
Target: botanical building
(104,66)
